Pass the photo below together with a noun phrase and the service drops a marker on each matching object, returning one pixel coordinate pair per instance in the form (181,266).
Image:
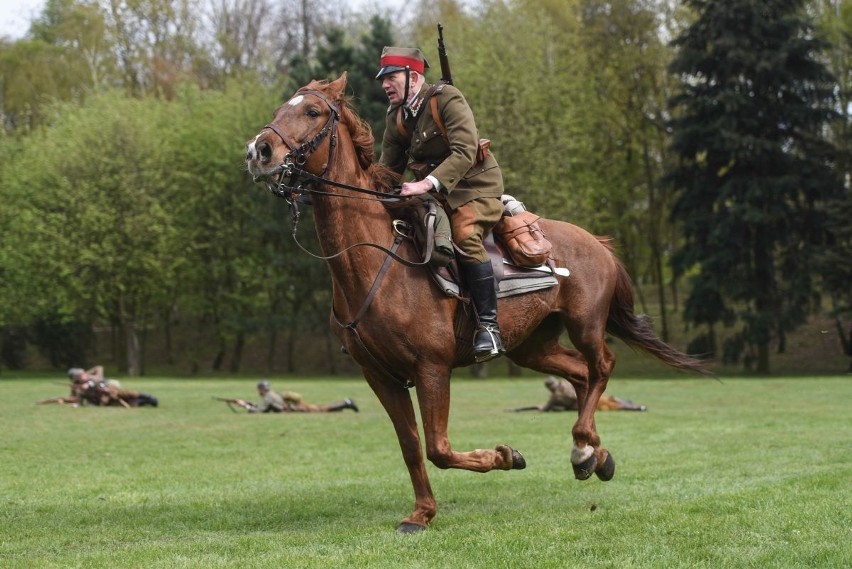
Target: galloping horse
(403,331)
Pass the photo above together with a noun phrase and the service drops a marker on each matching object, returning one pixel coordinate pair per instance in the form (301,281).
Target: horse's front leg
(433,395)
(397,403)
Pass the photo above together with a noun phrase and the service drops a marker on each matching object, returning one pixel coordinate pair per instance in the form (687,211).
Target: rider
(469,185)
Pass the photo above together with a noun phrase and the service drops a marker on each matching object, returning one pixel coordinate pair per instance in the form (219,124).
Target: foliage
(754,165)
(192,484)
(571,93)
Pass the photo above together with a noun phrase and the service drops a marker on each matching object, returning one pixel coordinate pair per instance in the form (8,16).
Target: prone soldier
(286,402)
(563,397)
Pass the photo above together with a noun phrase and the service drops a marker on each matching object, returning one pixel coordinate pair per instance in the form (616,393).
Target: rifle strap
(484,144)
(436,116)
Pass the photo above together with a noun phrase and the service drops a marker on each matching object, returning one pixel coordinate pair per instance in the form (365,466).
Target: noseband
(299,153)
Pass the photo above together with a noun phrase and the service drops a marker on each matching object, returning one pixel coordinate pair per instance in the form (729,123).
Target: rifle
(530,408)
(230,402)
(446,74)
(58,400)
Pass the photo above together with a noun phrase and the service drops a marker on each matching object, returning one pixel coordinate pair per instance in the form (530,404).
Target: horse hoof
(410,527)
(586,468)
(518,460)
(607,471)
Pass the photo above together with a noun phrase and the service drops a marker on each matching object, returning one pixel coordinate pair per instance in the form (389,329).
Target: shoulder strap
(436,116)
(400,124)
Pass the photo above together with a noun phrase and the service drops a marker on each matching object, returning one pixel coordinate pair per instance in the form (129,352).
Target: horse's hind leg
(543,352)
(587,456)
(397,403)
(433,395)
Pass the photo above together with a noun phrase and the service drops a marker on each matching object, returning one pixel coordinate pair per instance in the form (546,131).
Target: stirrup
(492,352)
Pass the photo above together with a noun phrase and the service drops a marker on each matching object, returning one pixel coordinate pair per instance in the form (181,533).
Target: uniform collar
(412,107)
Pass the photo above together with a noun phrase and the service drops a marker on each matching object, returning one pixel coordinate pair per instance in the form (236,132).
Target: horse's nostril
(265,151)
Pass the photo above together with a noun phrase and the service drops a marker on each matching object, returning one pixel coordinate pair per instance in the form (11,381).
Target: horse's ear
(338,85)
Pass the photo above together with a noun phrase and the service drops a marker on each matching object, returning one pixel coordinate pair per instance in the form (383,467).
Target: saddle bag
(524,239)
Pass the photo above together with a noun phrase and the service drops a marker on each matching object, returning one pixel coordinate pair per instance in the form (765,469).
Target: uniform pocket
(428,144)
(481,168)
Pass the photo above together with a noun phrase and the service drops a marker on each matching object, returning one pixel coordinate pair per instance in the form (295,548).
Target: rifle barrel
(446,73)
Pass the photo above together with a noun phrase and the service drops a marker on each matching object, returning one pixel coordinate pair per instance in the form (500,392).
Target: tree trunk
(763,359)
(289,349)
(514,370)
(332,348)
(167,330)
(237,354)
(270,350)
(131,339)
(220,355)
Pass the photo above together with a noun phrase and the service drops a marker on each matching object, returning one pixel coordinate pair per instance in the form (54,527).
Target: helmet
(75,372)
(550,382)
(263,384)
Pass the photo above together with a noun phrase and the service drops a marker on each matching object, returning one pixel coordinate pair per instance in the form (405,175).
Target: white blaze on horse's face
(296,100)
(251,149)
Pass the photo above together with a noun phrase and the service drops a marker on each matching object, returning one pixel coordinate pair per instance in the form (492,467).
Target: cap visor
(388,69)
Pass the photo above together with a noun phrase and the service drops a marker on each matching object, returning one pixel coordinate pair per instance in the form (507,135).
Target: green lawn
(738,473)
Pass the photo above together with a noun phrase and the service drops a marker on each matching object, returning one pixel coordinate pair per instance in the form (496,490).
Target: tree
(835,18)
(754,167)
(369,98)
(92,235)
(64,56)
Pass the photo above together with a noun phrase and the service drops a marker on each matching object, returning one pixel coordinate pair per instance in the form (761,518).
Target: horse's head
(303,132)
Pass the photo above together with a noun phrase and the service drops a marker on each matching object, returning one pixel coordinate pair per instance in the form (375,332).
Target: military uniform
(471,187)
(271,402)
(563,397)
(464,182)
(292,402)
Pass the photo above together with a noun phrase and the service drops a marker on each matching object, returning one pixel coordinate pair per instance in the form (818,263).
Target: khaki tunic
(472,190)
(271,403)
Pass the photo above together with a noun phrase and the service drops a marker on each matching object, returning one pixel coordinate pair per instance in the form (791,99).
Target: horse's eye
(313,113)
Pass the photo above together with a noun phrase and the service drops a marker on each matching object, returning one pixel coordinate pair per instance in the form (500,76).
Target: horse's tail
(635,330)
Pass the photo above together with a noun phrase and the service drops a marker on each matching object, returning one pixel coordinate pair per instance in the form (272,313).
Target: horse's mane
(383,179)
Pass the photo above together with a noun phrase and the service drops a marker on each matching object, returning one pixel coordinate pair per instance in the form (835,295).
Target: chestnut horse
(403,331)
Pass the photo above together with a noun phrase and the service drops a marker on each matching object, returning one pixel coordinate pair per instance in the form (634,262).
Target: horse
(404,332)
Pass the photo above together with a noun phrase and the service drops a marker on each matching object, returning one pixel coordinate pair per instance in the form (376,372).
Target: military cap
(399,58)
(263,384)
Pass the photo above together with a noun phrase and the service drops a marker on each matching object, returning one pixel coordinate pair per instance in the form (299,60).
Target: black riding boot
(487,344)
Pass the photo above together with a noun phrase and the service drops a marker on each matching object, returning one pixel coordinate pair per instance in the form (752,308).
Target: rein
(292,169)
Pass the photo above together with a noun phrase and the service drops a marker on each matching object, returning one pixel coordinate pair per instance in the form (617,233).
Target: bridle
(299,153)
(293,165)
(292,168)
(293,175)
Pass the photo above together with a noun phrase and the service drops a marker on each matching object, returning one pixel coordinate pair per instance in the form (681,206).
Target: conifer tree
(754,167)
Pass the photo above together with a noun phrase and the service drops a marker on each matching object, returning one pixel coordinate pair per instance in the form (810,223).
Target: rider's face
(394,85)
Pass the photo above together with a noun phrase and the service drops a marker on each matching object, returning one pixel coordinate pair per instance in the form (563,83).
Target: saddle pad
(506,287)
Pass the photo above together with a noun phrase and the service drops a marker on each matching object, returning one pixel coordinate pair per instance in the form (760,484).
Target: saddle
(511,279)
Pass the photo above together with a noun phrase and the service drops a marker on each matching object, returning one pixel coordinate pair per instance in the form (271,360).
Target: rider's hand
(416,188)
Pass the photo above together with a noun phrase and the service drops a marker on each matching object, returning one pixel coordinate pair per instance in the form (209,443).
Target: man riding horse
(433,126)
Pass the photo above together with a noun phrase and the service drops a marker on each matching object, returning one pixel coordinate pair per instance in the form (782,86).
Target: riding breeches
(471,223)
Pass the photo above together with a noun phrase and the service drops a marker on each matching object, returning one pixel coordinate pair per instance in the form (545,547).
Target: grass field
(738,473)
